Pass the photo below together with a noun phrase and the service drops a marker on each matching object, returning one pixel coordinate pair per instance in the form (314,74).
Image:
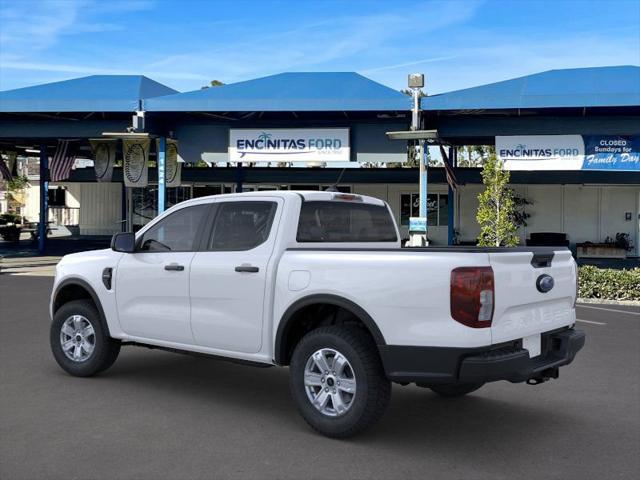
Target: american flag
(4,170)
(62,160)
(448,169)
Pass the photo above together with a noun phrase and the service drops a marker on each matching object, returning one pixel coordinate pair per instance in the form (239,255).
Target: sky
(185,44)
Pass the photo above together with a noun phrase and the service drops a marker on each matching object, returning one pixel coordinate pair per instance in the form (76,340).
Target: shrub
(609,284)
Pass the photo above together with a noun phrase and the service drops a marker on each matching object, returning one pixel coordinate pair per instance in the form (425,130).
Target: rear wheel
(338,382)
(455,389)
(79,342)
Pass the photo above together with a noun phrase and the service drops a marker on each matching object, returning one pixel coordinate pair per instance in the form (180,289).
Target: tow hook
(544,376)
(537,380)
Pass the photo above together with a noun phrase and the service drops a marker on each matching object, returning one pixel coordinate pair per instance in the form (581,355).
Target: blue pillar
(44,199)
(162,180)
(450,199)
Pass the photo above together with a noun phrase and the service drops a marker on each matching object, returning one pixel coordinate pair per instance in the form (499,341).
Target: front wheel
(79,342)
(337,381)
(455,389)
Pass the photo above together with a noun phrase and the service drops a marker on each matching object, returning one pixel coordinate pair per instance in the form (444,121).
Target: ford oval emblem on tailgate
(544,283)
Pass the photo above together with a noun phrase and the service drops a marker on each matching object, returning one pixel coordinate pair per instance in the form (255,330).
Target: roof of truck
(307,195)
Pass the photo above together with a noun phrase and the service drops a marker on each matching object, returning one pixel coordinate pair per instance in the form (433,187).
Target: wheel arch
(290,318)
(77,289)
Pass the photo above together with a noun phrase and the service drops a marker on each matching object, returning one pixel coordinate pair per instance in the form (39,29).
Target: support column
(423,179)
(123,208)
(129,223)
(44,200)
(453,153)
(162,179)
(239,177)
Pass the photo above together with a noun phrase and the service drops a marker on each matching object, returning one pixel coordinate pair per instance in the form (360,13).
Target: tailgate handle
(542,260)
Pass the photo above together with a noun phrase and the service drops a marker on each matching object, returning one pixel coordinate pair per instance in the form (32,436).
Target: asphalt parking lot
(162,415)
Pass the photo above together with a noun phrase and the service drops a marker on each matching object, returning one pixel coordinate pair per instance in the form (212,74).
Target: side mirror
(124,242)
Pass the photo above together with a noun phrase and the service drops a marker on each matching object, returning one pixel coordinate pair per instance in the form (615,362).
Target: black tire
(105,351)
(373,389)
(455,389)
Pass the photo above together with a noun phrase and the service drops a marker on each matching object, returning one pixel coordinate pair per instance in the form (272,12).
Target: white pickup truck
(317,281)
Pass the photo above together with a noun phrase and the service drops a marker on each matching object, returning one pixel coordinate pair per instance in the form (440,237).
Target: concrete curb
(602,301)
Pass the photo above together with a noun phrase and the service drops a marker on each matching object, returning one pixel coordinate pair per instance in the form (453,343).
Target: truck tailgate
(521,309)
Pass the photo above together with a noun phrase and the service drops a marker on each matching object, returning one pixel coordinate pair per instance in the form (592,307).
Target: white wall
(584,212)
(614,203)
(100,208)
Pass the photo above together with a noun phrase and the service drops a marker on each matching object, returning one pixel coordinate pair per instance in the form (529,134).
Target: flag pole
(44,199)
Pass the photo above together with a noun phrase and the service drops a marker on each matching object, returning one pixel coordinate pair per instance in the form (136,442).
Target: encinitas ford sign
(541,152)
(569,152)
(289,145)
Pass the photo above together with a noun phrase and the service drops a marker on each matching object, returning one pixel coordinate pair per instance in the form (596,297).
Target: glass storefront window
(145,206)
(436,208)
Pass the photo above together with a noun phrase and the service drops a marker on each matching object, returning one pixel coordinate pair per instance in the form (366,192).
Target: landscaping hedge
(609,284)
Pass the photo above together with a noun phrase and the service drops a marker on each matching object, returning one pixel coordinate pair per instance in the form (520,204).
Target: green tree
(474,155)
(213,83)
(497,208)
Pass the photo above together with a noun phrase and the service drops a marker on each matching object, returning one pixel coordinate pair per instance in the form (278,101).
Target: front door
(152,284)
(229,278)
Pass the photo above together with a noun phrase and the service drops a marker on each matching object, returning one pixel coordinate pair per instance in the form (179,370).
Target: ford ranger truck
(318,282)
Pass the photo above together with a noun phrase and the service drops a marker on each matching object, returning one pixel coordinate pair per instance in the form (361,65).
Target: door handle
(174,267)
(247,268)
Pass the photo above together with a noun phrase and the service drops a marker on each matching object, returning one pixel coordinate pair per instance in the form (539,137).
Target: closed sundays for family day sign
(569,152)
(289,145)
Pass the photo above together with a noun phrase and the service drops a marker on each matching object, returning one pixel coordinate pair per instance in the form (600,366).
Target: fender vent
(107,273)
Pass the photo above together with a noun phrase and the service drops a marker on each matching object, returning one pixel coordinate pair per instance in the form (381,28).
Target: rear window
(345,222)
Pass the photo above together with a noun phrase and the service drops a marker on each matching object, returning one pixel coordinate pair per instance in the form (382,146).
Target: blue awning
(96,93)
(577,87)
(288,92)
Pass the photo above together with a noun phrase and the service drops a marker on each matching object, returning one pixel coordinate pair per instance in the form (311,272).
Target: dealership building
(570,137)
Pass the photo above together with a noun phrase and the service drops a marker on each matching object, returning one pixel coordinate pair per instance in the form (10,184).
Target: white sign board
(541,152)
(289,145)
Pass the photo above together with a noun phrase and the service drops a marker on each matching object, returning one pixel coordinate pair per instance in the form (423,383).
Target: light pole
(418,225)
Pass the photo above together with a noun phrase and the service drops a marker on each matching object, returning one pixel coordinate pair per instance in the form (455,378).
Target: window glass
(175,233)
(204,190)
(241,225)
(437,214)
(443,216)
(345,222)
(57,197)
(432,209)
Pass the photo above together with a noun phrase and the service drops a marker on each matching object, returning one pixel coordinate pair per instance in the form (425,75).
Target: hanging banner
(541,152)
(104,157)
(135,153)
(611,152)
(173,163)
(289,145)
(569,152)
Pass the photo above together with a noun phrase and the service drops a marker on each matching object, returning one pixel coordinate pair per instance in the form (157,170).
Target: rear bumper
(508,361)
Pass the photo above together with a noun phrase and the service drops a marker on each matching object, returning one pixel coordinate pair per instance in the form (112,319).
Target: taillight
(472,296)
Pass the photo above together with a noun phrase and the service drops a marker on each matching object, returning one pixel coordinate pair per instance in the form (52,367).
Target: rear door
(228,279)
(522,306)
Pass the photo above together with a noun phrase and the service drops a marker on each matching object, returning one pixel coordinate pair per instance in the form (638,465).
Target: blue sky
(184,44)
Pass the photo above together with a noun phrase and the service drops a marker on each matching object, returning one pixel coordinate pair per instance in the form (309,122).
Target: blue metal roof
(577,87)
(298,92)
(96,93)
